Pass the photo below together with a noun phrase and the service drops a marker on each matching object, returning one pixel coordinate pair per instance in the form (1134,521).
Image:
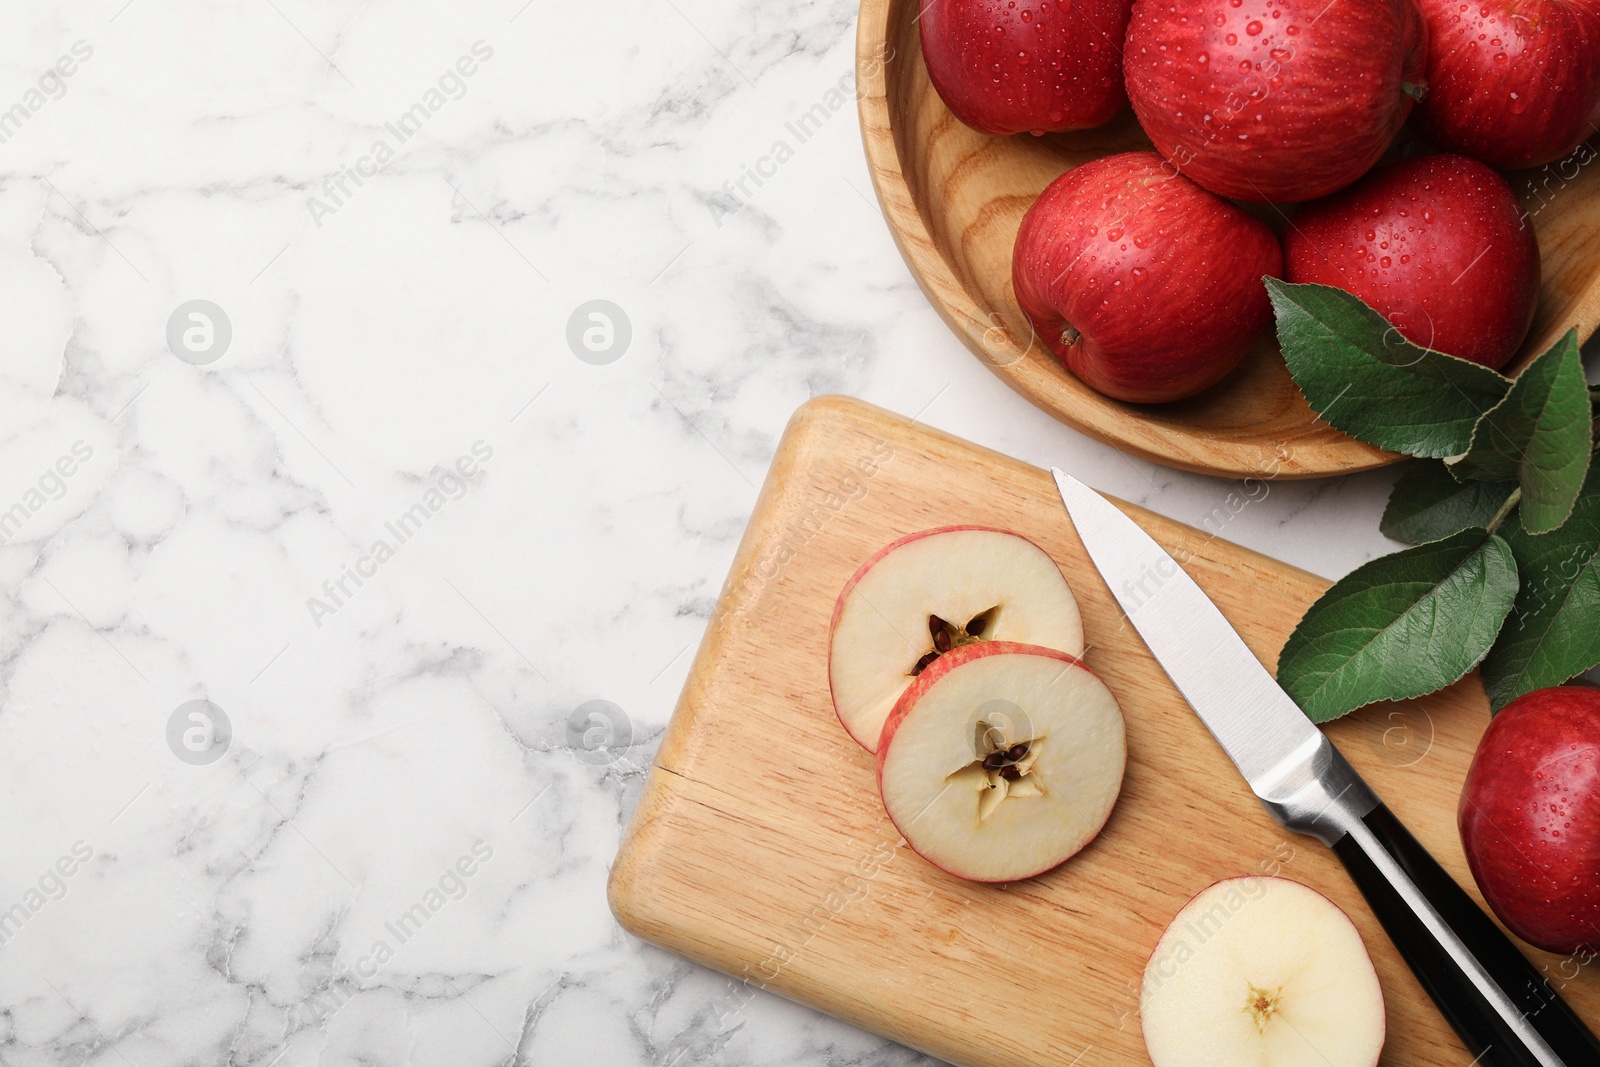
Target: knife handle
(1518,1020)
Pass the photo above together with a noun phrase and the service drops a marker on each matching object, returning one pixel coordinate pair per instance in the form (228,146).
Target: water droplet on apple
(1253,28)
(1232,38)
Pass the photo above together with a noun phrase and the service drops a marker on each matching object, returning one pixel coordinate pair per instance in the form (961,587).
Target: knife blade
(1503,1009)
(1257,724)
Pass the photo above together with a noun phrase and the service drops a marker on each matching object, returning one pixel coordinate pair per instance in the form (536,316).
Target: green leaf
(1554,629)
(1362,377)
(1400,626)
(1427,504)
(1538,435)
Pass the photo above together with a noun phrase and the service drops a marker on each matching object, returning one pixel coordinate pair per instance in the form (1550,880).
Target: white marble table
(395,529)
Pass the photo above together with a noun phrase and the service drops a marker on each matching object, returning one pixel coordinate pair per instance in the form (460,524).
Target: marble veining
(398,856)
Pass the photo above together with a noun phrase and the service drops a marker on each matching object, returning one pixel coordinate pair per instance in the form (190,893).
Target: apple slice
(1002,760)
(928,593)
(1261,971)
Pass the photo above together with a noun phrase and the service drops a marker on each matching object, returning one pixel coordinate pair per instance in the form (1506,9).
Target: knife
(1505,1012)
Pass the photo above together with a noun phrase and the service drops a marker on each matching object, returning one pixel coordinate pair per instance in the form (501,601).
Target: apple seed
(980,622)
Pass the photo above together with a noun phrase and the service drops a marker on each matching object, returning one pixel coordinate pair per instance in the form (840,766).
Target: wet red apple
(1530,818)
(1283,100)
(1015,66)
(1144,285)
(1515,83)
(1440,246)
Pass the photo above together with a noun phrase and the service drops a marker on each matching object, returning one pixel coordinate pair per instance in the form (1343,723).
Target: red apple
(1515,83)
(1009,66)
(1002,760)
(929,593)
(1440,246)
(1530,818)
(1282,100)
(1143,284)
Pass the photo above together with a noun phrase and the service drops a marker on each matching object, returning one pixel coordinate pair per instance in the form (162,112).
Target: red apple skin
(1014,66)
(1530,818)
(1440,246)
(1514,83)
(924,681)
(1160,279)
(1280,100)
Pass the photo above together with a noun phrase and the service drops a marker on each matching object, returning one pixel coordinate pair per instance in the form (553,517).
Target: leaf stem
(1505,509)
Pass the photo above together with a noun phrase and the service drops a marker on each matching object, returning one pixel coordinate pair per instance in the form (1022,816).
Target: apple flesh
(1144,285)
(929,593)
(1515,83)
(1010,66)
(1002,760)
(1438,245)
(1530,818)
(1281,100)
(1261,971)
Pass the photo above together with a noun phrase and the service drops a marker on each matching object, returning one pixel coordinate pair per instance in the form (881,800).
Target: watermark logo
(449,484)
(450,86)
(199,732)
(49,886)
(738,193)
(599,733)
(50,486)
(1403,736)
(453,884)
(599,332)
(52,85)
(199,332)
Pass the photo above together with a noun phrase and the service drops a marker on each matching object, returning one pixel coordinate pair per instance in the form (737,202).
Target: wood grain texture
(954,197)
(760,848)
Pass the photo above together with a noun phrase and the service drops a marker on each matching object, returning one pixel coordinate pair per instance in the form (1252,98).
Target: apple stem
(1415,90)
(1505,509)
(1069,336)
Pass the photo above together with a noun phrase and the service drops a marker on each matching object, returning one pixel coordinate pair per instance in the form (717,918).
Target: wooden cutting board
(760,847)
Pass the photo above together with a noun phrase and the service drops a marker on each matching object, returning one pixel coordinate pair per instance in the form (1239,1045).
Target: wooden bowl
(954,198)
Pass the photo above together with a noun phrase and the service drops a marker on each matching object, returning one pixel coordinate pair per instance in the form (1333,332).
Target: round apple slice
(1002,760)
(931,592)
(1264,971)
